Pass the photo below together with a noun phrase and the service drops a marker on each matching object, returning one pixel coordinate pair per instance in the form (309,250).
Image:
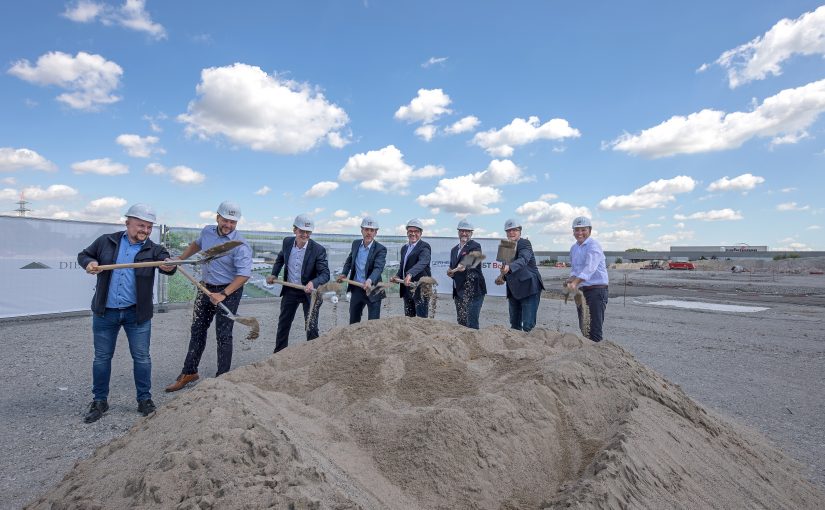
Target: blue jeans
(523,311)
(596,303)
(416,306)
(468,310)
(104,330)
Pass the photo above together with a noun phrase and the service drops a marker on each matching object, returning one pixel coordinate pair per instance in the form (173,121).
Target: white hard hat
(416,223)
(582,221)
(229,210)
(368,222)
(141,212)
(512,223)
(465,225)
(304,222)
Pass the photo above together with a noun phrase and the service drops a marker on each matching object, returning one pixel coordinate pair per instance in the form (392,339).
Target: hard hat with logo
(304,222)
(465,225)
(141,212)
(512,223)
(229,210)
(368,222)
(415,223)
(582,221)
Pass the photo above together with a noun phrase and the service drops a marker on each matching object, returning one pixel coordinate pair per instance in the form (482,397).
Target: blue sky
(668,123)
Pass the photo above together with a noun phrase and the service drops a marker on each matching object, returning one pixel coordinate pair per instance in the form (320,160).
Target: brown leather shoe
(181,381)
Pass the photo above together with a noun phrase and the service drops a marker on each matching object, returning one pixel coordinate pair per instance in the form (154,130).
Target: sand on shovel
(405,413)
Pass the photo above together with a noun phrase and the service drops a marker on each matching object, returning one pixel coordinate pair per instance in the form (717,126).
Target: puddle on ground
(716,307)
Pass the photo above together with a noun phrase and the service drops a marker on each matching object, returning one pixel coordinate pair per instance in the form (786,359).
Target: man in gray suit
(524,283)
(365,264)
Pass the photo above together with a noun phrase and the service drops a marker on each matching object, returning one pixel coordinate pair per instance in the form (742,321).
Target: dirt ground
(763,369)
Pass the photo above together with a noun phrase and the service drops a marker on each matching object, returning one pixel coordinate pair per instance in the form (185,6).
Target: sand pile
(410,413)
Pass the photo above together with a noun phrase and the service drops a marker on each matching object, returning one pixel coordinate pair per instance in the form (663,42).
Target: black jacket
(104,250)
(418,263)
(315,267)
(376,260)
(523,279)
(469,280)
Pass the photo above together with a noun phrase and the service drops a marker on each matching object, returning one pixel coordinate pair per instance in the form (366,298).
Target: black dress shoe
(96,410)
(146,407)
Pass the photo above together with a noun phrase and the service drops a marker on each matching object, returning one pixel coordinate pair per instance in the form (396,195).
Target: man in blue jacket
(469,286)
(524,283)
(123,299)
(304,263)
(415,264)
(365,264)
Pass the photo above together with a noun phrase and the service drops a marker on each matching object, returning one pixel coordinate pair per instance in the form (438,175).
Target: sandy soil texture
(762,370)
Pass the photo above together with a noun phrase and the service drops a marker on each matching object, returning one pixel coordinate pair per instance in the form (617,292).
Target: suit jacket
(376,260)
(418,263)
(476,286)
(523,279)
(315,268)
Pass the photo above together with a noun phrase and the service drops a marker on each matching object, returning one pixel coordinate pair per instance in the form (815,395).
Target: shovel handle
(353,282)
(289,284)
(158,263)
(203,289)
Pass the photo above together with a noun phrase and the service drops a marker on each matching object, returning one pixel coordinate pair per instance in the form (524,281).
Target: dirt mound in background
(411,413)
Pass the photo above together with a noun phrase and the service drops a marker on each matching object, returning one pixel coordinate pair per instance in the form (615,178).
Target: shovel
(205,256)
(250,322)
(468,261)
(506,254)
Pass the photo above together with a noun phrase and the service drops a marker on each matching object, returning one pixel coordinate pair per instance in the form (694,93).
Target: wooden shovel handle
(158,263)
(289,284)
(203,289)
(353,282)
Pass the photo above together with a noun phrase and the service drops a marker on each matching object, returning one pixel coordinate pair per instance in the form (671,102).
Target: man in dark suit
(469,287)
(305,263)
(415,264)
(365,264)
(524,283)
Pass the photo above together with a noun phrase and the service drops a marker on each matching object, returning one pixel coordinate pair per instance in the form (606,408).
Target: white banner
(38,265)
(440,263)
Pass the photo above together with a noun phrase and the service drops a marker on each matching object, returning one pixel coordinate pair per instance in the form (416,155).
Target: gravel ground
(764,370)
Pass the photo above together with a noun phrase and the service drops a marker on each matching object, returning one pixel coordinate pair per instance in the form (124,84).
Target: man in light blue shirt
(224,278)
(365,264)
(588,273)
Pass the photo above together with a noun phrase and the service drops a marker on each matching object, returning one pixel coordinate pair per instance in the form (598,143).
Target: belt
(121,309)
(216,286)
(593,287)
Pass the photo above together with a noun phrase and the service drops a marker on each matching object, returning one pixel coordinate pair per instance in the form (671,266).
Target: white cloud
(426,132)
(91,79)
(713,215)
(548,196)
(464,125)
(764,55)
(384,170)
(104,166)
(321,189)
(620,238)
(653,225)
(787,190)
(792,206)
(337,140)
(104,205)
(11,181)
(263,112)
(433,61)
(652,195)
(793,246)
(343,224)
(813,227)
(790,138)
(790,111)
(461,195)
(556,218)
(132,15)
(17,159)
(743,182)
(501,171)
(384,211)
(207,215)
(53,192)
(427,107)
(502,142)
(155,169)
(9,194)
(263,191)
(139,146)
(185,175)
(340,213)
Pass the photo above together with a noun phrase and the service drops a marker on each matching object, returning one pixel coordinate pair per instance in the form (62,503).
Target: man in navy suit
(469,287)
(305,263)
(524,283)
(415,264)
(365,264)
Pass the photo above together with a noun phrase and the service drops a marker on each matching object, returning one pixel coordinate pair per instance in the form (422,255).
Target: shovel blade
(218,250)
(506,251)
(472,259)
